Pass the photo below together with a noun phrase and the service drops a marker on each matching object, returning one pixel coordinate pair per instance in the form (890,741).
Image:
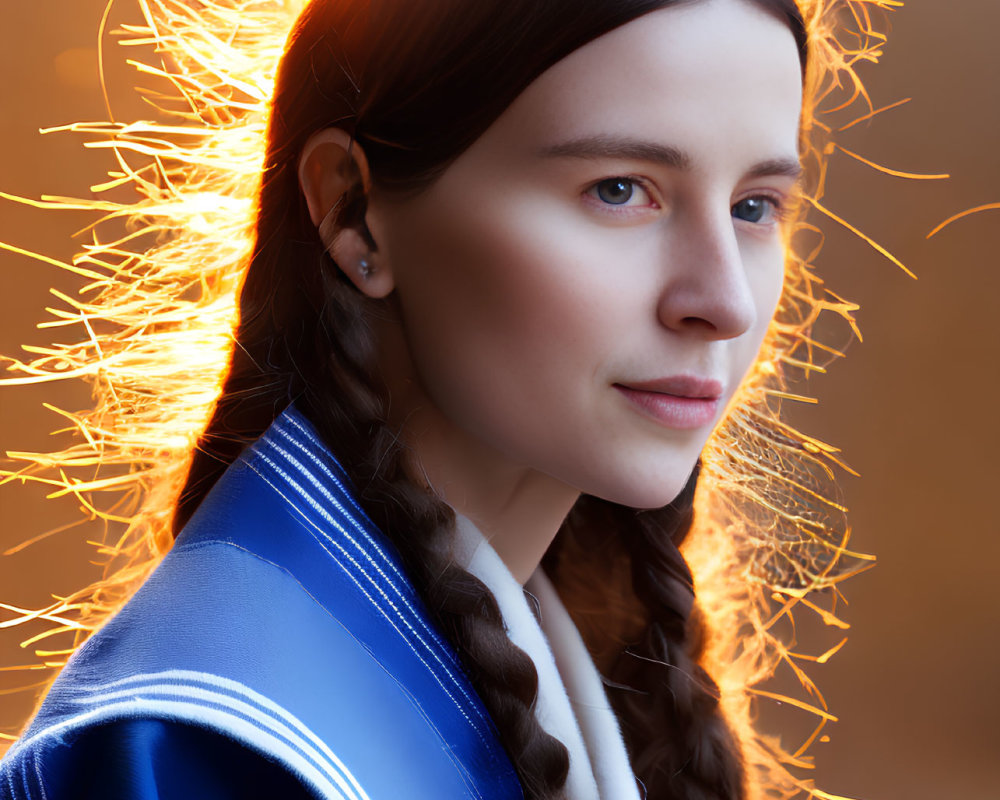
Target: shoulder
(228,671)
(283,621)
(147,759)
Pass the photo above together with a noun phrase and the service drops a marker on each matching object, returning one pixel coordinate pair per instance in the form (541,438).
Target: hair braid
(647,634)
(422,527)
(695,755)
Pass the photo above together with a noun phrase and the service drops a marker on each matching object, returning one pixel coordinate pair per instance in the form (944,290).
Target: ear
(330,164)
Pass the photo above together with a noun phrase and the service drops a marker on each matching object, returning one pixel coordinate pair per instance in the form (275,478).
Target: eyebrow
(780,167)
(603,146)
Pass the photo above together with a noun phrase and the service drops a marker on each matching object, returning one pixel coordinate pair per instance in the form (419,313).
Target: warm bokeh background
(914,406)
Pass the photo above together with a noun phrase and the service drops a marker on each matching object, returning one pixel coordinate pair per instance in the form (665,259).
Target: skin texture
(521,292)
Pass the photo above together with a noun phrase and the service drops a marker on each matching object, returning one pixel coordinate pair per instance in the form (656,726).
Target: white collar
(571,703)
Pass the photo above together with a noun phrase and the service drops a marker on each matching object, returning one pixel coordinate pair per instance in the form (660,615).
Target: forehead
(715,78)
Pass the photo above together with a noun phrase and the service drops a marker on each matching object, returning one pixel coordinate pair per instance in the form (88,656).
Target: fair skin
(572,304)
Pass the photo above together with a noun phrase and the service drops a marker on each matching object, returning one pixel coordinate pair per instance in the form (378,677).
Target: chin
(646,491)
(650,477)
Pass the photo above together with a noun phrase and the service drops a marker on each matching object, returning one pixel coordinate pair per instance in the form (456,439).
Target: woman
(512,263)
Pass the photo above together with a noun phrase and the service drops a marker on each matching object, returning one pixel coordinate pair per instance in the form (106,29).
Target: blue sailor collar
(282,618)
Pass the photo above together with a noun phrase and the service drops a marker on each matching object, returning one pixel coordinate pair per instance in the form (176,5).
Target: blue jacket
(278,651)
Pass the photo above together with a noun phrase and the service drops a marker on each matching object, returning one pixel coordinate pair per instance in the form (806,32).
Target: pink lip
(682,402)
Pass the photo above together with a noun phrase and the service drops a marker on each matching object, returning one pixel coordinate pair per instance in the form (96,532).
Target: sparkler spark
(155,325)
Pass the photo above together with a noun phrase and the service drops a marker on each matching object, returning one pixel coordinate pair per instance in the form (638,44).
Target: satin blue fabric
(279,638)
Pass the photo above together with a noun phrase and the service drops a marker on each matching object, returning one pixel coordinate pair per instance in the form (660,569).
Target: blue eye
(757,209)
(615,191)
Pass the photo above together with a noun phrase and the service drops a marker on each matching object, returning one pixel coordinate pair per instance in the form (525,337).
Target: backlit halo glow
(152,329)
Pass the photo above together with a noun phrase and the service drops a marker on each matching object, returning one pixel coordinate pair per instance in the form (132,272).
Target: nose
(707,291)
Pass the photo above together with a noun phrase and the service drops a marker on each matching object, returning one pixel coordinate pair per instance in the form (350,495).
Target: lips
(680,402)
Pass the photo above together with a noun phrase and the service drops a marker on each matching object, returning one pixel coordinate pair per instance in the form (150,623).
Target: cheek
(500,305)
(515,266)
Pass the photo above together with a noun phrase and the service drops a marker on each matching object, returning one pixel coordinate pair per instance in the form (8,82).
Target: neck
(518,509)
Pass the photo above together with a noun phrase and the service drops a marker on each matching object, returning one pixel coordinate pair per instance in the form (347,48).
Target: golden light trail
(962,215)
(153,331)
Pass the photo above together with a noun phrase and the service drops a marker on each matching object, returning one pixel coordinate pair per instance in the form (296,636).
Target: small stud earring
(366,268)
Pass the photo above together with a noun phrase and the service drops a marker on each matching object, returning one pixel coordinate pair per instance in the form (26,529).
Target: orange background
(914,406)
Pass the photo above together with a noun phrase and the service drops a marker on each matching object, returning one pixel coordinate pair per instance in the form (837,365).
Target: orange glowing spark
(962,215)
(894,172)
(155,322)
(873,113)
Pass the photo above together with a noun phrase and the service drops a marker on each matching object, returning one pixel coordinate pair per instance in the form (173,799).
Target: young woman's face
(582,290)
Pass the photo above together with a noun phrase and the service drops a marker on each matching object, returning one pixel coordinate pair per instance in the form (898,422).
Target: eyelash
(775,201)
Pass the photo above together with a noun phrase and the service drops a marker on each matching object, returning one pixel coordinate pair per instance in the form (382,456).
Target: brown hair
(415,83)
